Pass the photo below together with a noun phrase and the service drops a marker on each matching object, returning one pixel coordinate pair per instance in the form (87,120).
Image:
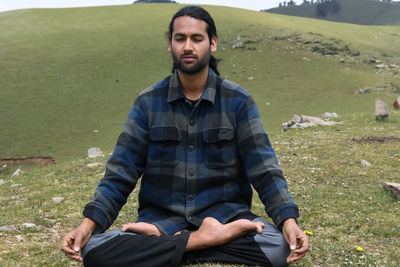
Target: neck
(193,84)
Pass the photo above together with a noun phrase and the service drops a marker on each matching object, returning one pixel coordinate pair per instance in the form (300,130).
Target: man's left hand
(296,238)
(141,228)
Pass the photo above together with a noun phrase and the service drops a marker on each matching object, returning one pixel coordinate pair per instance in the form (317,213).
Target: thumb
(292,242)
(77,243)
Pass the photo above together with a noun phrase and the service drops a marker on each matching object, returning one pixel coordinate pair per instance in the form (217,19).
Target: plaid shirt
(196,161)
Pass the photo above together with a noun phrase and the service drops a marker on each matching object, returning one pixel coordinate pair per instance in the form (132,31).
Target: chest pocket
(163,146)
(220,148)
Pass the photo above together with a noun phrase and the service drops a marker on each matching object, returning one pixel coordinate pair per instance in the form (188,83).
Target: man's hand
(77,238)
(297,240)
(141,228)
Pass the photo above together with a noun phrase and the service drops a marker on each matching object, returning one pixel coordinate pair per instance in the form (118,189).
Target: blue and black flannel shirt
(195,161)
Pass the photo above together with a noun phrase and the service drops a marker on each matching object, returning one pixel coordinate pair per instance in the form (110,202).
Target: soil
(38,160)
(376,139)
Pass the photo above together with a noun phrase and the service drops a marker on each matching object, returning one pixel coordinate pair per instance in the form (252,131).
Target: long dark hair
(197,13)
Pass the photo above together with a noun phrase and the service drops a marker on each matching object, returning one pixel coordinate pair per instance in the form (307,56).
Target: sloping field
(69,76)
(364,12)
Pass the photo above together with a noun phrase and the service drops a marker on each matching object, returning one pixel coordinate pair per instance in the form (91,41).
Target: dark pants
(116,248)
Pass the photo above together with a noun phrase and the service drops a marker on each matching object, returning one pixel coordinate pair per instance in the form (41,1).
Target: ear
(169,45)
(214,42)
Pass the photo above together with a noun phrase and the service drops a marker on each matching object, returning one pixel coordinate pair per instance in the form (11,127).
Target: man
(198,143)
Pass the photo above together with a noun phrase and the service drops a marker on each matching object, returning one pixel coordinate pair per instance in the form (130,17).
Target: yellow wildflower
(308,233)
(87,195)
(359,248)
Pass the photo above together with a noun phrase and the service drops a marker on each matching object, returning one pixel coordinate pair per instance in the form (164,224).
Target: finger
(260,227)
(128,227)
(292,242)
(66,244)
(294,257)
(74,257)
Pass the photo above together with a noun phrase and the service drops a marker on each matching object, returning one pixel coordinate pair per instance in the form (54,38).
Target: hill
(364,12)
(70,76)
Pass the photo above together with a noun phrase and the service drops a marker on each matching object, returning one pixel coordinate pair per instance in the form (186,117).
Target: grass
(364,12)
(341,202)
(69,72)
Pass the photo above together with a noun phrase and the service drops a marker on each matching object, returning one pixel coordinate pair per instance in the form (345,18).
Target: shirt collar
(175,90)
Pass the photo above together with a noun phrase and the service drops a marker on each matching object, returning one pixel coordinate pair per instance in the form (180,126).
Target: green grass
(364,12)
(341,202)
(69,72)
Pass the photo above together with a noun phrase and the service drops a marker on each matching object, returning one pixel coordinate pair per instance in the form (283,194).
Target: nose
(188,45)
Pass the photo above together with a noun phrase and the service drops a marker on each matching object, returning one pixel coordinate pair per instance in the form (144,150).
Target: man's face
(190,46)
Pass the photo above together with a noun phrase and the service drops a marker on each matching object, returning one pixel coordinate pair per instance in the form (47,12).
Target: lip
(188,58)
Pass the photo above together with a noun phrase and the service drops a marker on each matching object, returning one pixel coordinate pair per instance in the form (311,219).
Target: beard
(194,68)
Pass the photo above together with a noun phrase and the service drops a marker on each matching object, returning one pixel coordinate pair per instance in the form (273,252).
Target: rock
(355,53)
(381,110)
(18,172)
(380,66)
(304,121)
(58,199)
(7,228)
(366,163)
(96,131)
(396,103)
(238,45)
(15,185)
(94,152)
(28,225)
(93,165)
(328,115)
(392,66)
(251,78)
(374,61)
(19,238)
(5,165)
(342,60)
(393,188)
(365,91)
(2,181)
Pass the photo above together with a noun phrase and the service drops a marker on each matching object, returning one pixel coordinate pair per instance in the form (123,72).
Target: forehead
(188,26)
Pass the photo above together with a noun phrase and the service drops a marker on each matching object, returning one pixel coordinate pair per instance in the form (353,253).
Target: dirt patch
(376,139)
(38,160)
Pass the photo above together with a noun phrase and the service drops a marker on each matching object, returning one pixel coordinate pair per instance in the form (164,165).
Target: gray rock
(393,66)
(396,103)
(366,163)
(365,91)
(58,199)
(18,172)
(328,115)
(5,165)
(238,45)
(393,188)
(7,228)
(28,225)
(94,152)
(2,181)
(93,165)
(380,66)
(381,110)
(374,61)
(16,185)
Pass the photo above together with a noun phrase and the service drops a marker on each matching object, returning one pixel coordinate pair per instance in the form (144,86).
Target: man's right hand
(77,238)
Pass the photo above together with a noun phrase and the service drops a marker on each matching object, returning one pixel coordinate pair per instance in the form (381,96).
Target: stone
(18,172)
(393,188)
(396,103)
(93,165)
(238,45)
(2,181)
(380,66)
(94,152)
(5,165)
(381,110)
(393,66)
(7,228)
(366,163)
(251,78)
(304,121)
(28,225)
(19,238)
(96,131)
(328,115)
(58,199)
(374,61)
(365,91)
(16,185)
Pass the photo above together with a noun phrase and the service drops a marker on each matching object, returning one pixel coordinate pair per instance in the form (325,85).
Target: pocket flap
(212,136)
(168,133)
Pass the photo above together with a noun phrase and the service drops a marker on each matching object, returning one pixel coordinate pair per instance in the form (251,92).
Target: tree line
(323,7)
(154,1)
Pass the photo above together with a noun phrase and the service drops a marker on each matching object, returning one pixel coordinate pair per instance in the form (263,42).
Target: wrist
(289,221)
(89,224)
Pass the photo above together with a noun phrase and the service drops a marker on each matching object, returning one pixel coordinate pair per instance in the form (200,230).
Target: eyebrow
(193,35)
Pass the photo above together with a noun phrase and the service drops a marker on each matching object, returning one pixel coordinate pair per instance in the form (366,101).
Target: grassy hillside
(69,72)
(364,12)
(342,203)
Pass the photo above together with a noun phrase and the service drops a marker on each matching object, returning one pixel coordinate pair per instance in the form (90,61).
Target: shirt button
(191,172)
(189,218)
(192,122)
(190,197)
(191,148)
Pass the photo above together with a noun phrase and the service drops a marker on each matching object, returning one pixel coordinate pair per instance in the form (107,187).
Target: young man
(198,143)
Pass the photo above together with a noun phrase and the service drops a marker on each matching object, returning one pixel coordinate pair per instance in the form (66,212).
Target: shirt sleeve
(123,169)
(261,166)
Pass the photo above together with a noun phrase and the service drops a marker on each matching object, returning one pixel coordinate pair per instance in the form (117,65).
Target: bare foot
(212,233)
(141,228)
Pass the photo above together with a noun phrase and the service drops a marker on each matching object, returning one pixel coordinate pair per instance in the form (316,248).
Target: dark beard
(199,66)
